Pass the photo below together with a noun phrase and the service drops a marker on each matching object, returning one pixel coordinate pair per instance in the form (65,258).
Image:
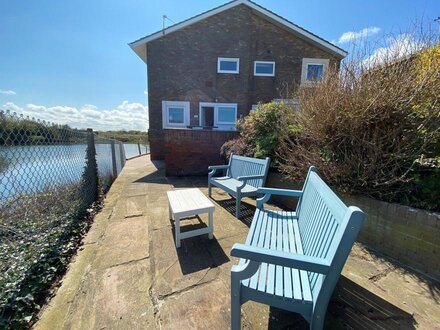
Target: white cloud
(10,106)
(353,35)
(126,116)
(7,92)
(91,113)
(395,48)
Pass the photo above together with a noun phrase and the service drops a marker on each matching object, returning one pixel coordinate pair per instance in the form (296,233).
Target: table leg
(211,224)
(177,226)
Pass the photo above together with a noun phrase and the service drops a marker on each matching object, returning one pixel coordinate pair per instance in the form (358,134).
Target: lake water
(31,169)
(131,150)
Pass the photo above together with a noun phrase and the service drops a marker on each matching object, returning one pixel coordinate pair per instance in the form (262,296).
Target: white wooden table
(189,202)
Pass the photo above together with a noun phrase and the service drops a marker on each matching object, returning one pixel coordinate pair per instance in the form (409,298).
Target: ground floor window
(175,114)
(221,116)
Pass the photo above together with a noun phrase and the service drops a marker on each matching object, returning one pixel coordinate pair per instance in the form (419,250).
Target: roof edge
(136,45)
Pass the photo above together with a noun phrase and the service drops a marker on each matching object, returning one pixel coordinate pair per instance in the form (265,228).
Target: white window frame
(312,61)
(229,59)
(170,104)
(264,74)
(216,121)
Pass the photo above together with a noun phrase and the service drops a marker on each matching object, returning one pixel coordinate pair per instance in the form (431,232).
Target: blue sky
(63,60)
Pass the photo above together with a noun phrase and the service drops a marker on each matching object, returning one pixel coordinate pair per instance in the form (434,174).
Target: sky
(68,61)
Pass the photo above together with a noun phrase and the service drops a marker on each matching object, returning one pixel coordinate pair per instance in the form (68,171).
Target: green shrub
(260,133)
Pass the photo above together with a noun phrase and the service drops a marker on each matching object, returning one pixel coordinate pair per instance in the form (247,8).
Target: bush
(260,133)
(236,147)
(367,126)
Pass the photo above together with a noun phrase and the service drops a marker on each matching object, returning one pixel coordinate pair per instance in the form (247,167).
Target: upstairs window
(313,70)
(264,68)
(175,114)
(228,65)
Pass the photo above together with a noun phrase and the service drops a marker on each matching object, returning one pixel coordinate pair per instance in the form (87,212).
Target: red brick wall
(182,66)
(190,152)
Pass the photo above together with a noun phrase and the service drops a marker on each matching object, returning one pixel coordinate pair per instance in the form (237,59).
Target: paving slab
(197,308)
(124,241)
(130,275)
(114,298)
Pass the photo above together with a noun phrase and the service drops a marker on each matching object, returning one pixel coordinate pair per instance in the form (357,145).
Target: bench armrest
(218,167)
(281,258)
(245,178)
(268,192)
(214,168)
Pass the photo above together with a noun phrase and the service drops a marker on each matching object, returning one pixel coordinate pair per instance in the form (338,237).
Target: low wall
(409,235)
(190,152)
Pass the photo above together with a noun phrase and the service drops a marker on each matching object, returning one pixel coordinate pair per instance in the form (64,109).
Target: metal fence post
(115,169)
(122,153)
(139,148)
(91,179)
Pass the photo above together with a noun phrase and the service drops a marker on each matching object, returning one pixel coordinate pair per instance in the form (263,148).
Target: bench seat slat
(305,284)
(276,230)
(230,185)
(250,238)
(261,227)
(288,293)
(297,291)
(271,270)
(279,246)
(263,268)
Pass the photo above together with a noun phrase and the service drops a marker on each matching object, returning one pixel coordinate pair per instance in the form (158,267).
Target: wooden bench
(244,175)
(292,260)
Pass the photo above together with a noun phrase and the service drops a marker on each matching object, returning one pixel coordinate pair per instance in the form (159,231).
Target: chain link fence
(50,176)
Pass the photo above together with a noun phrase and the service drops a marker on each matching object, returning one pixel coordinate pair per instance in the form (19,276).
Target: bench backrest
(244,166)
(328,230)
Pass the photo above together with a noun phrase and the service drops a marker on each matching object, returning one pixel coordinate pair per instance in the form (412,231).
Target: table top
(189,201)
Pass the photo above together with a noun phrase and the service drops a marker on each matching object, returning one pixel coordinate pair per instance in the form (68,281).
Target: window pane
(226,115)
(264,68)
(176,115)
(314,71)
(228,65)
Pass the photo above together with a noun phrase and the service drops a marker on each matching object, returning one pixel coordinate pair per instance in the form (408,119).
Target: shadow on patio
(130,274)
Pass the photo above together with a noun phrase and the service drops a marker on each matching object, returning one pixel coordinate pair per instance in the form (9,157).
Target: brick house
(212,69)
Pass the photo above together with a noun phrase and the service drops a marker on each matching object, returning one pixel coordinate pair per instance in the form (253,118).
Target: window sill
(204,129)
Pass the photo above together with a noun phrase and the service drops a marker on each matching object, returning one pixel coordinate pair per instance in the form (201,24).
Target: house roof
(139,48)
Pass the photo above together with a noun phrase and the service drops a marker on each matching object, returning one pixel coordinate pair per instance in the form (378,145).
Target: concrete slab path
(129,274)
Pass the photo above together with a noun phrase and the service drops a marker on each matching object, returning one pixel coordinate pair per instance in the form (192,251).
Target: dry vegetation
(367,126)
(372,127)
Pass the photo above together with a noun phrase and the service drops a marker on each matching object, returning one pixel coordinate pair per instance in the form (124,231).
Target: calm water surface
(29,169)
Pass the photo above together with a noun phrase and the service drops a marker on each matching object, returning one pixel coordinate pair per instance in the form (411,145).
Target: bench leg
(235,307)
(238,273)
(237,207)
(317,320)
(209,187)
(317,324)
(177,227)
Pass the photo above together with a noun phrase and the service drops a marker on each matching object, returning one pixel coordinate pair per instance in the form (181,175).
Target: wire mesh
(49,176)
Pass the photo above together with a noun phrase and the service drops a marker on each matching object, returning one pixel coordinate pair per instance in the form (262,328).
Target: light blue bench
(244,175)
(292,260)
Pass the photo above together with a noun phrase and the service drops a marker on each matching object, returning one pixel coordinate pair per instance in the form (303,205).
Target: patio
(129,274)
